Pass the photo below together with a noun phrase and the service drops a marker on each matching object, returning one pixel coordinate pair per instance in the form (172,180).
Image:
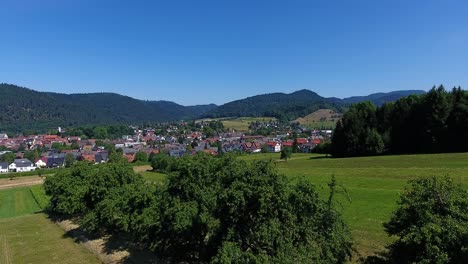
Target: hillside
(22,108)
(322,118)
(297,104)
(279,105)
(381,98)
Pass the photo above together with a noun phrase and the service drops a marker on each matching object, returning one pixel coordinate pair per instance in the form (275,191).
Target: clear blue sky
(196,52)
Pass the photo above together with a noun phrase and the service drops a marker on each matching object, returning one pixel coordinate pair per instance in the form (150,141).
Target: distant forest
(434,122)
(24,109)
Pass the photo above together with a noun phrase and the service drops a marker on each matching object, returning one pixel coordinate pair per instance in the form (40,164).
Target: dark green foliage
(286,153)
(69,160)
(162,163)
(431,223)
(431,123)
(208,210)
(226,210)
(76,191)
(141,156)
(23,109)
(8,157)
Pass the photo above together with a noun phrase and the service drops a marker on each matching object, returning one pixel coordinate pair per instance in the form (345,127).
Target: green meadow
(372,185)
(27,236)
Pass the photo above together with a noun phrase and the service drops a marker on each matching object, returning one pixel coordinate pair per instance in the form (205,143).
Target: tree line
(431,123)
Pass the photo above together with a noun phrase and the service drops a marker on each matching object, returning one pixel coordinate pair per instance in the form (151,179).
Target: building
(41,163)
(21,165)
(3,167)
(274,146)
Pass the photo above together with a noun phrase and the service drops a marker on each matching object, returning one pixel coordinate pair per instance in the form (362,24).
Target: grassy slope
(313,120)
(27,236)
(373,184)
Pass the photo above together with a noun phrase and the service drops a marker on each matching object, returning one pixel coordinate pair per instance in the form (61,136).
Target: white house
(41,163)
(274,146)
(21,165)
(3,167)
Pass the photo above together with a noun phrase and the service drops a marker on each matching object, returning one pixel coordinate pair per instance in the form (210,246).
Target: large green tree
(430,223)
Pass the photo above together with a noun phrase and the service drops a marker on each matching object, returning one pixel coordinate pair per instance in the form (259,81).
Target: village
(28,153)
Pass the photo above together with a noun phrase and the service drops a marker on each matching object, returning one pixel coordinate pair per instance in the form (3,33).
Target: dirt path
(20,182)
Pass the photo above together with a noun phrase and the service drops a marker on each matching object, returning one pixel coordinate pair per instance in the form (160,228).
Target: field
(27,236)
(372,183)
(320,119)
(240,123)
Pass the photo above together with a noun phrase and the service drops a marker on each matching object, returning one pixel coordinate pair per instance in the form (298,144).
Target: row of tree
(434,122)
(210,209)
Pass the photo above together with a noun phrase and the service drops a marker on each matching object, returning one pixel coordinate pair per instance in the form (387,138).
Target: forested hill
(280,105)
(381,98)
(22,108)
(297,104)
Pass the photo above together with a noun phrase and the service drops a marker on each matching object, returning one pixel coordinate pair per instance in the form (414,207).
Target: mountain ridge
(24,108)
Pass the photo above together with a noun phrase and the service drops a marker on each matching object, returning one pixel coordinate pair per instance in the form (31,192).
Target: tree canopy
(210,209)
(430,223)
(430,123)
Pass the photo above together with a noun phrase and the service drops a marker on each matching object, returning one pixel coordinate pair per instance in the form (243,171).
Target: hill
(279,105)
(381,98)
(322,118)
(297,104)
(22,108)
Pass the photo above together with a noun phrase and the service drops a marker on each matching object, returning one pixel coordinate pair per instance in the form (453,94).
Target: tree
(225,210)
(8,157)
(286,153)
(430,223)
(141,156)
(69,160)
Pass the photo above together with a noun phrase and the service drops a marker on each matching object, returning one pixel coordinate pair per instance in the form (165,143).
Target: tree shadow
(117,248)
(321,157)
(378,258)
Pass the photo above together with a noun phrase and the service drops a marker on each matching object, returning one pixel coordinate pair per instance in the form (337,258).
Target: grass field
(27,236)
(239,123)
(372,183)
(153,176)
(320,119)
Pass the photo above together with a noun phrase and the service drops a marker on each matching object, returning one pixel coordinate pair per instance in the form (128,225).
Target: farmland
(27,236)
(240,123)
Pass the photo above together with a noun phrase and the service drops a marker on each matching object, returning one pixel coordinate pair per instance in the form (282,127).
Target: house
(101,157)
(177,153)
(3,136)
(89,156)
(251,147)
(3,167)
(41,163)
(21,165)
(288,144)
(56,160)
(273,146)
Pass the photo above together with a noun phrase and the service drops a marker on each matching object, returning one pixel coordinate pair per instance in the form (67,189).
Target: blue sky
(197,52)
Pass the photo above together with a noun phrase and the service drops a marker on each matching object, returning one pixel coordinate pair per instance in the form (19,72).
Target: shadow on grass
(321,157)
(114,248)
(378,258)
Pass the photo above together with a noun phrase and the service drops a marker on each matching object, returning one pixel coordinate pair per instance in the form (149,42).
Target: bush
(431,223)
